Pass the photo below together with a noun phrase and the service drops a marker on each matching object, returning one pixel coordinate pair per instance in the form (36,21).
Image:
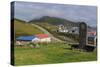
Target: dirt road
(46,32)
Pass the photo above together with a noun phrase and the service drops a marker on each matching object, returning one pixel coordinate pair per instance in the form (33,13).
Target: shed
(25,39)
(43,37)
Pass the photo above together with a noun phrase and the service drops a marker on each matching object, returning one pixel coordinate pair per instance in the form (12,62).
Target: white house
(62,28)
(74,30)
(43,38)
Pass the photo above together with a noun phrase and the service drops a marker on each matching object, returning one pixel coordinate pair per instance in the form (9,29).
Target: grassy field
(22,28)
(47,25)
(52,53)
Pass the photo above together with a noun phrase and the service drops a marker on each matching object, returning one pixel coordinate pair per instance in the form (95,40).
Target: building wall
(35,40)
(45,39)
(74,30)
(63,30)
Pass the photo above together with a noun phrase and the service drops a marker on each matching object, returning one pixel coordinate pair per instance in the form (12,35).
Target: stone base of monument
(88,47)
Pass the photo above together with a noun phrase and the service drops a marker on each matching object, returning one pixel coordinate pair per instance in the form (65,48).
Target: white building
(74,30)
(62,28)
(43,38)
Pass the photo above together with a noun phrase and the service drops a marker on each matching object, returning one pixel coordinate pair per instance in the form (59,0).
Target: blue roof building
(25,38)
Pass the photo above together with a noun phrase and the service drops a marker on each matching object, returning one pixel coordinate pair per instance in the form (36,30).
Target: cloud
(28,11)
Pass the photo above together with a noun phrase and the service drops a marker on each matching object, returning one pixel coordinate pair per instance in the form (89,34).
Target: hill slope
(22,28)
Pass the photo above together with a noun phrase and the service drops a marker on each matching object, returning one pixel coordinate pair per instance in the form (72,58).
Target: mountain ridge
(54,21)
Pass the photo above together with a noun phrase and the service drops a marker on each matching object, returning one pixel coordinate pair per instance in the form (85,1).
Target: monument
(83,39)
(82,35)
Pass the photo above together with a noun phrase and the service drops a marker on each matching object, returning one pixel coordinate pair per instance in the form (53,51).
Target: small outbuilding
(25,39)
(43,37)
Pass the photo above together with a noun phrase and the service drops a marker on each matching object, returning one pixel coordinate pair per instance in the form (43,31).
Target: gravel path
(46,32)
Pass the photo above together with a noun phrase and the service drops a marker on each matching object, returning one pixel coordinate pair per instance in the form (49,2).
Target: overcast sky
(27,11)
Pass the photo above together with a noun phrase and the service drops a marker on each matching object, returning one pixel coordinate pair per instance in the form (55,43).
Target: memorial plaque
(82,34)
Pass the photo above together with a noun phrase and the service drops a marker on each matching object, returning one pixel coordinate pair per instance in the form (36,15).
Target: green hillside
(22,28)
(54,21)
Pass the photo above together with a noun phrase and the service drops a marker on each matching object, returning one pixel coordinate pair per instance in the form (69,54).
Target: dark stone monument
(82,35)
(83,39)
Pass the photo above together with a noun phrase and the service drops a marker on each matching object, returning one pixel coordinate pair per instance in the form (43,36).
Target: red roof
(92,33)
(42,35)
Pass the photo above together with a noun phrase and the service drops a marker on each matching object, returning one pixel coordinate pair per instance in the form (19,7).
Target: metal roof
(25,38)
(42,35)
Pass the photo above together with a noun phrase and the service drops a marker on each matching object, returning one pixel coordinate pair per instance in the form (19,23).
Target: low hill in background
(54,21)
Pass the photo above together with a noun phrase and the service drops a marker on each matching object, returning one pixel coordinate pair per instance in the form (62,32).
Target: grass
(22,28)
(47,25)
(52,53)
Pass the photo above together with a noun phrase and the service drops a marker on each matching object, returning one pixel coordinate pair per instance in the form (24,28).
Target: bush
(34,45)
